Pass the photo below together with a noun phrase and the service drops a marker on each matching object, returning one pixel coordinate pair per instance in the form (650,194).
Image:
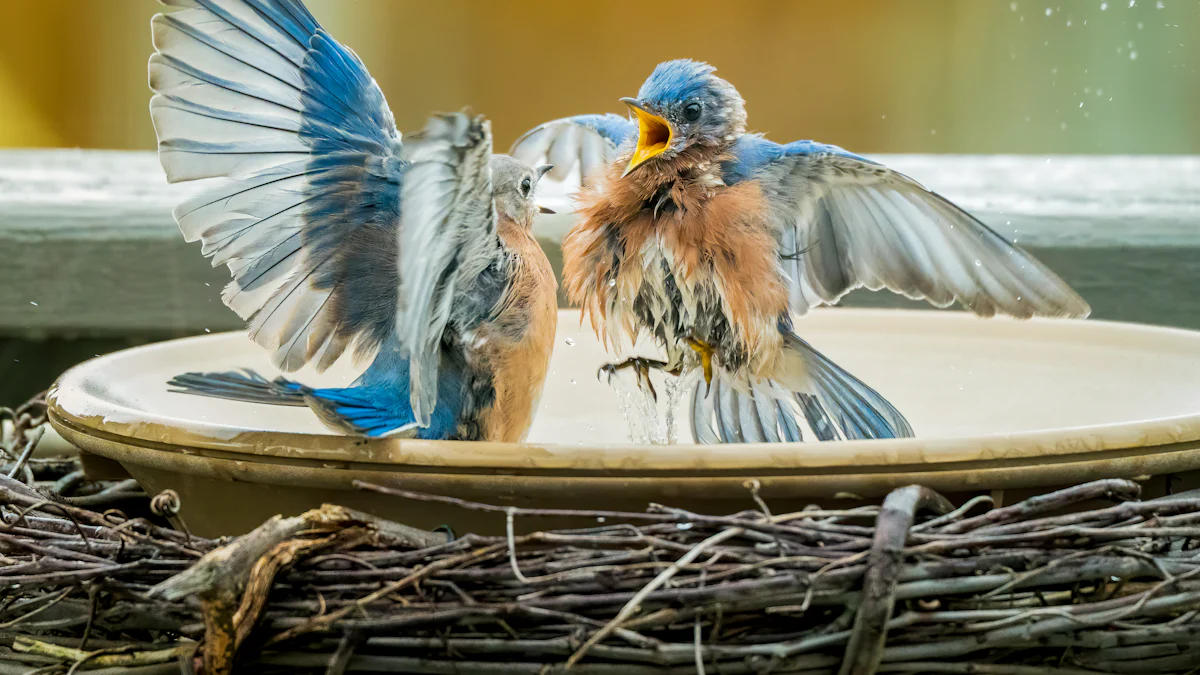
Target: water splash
(650,422)
(677,388)
(637,408)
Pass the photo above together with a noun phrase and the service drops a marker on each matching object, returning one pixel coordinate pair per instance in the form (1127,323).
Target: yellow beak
(654,135)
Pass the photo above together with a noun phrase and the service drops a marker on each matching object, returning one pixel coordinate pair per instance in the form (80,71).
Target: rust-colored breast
(518,344)
(713,239)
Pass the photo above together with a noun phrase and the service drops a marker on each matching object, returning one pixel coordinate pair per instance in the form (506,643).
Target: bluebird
(416,256)
(709,240)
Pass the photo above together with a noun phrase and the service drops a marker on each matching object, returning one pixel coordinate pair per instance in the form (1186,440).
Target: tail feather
(732,412)
(818,420)
(246,386)
(836,405)
(860,411)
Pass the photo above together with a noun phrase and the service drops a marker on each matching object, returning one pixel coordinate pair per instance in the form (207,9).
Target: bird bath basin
(999,406)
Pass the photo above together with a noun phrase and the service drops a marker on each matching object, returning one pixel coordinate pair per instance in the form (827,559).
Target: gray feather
(844,223)
(447,238)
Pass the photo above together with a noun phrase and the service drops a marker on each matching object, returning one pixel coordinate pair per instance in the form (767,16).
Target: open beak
(654,135)
(543,209)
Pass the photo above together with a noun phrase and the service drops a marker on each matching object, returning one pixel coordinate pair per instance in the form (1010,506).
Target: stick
(865,649)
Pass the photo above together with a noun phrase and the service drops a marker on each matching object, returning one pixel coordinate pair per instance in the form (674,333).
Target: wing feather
(577,146)
(844,222)
(302,168)
(447,239)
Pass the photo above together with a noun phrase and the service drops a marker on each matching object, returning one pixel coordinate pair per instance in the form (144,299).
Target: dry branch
(1044,586)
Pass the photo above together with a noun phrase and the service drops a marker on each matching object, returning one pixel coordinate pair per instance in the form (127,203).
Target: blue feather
(752,153)
(676,80)
(613,128)
(376,404)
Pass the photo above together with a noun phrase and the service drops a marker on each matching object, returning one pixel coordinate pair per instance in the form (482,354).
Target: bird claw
(641,367)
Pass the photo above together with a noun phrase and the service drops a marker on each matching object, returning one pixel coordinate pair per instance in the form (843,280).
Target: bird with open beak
(417,255)
(710,240)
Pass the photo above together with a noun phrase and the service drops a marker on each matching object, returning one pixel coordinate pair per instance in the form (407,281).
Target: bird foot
(705,351)
(641,367)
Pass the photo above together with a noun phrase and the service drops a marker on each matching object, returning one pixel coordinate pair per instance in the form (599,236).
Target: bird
(415,254)
(712,241)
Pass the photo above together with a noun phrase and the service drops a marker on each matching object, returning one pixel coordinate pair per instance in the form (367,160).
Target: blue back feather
(752,153)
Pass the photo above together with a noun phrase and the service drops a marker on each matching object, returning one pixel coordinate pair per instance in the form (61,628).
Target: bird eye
(691,112)
(526,186)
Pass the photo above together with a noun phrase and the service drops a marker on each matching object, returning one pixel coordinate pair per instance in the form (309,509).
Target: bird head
(514,184)
(683,104)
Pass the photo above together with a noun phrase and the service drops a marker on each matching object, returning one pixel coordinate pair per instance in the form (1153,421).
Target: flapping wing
(577,147)
(845,222)
(302,158)
(450,252)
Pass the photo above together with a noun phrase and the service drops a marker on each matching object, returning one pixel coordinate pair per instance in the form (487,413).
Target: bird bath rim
(78,411)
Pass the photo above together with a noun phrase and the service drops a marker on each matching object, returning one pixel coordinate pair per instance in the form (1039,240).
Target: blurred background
(1081,77)
(961,76)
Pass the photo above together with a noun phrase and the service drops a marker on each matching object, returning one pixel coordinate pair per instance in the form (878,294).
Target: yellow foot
(705,351)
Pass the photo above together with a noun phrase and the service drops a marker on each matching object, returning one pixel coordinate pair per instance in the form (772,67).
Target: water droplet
(683,526)
(207,330)
(1159,4)
(1018,297)
(573,381)
(977,263)
(33,303)
(933,132)
(1133,56)
(600,519)
(570,342)
(1103,6)
(612,282)
(1081,104)
(1049,11)
(1012,6)
(1132,3)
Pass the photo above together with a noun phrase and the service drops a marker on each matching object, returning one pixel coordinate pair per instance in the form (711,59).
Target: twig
(634,604)
(865,649)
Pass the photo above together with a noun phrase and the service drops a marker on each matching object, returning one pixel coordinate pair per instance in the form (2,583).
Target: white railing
(88,245)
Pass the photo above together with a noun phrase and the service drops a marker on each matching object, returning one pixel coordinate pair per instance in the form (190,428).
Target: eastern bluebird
(709,239)
(420,255)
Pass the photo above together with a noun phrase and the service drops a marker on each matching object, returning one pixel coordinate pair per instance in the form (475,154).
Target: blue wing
(302,160)
(577,147)
(846,222)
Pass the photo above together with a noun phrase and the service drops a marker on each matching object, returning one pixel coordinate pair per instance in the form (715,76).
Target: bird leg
(641,366)
(705,351)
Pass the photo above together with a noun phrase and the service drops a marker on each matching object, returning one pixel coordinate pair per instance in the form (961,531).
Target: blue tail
(836,406)
(245,385)
(376,405)
(858,411)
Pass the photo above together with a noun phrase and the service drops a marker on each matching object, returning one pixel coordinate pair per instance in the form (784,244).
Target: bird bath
(997,405)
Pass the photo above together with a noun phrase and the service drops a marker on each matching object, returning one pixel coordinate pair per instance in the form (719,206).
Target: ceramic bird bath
(998,405)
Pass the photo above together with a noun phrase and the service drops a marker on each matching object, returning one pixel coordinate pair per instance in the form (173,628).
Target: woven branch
(1033,588)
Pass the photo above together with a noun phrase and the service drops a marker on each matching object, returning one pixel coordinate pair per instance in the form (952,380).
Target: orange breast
(714,241)
(516,347)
